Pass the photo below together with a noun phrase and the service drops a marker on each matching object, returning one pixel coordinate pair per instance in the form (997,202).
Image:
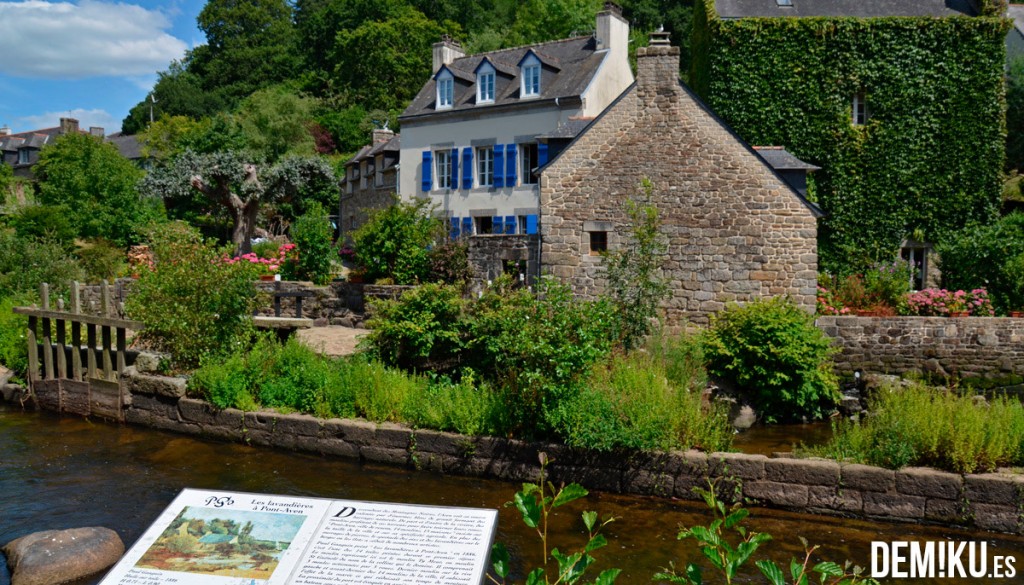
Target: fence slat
(90,332)
(122,348)
(62,364)
(47,350)
(76,350)
(108,366)
(33,349)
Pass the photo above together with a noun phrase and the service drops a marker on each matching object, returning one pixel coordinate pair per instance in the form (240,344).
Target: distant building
(371,180)
(21,150)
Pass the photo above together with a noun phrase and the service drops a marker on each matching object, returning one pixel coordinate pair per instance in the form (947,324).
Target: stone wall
(493,255)
(970,347)
(984,501)
(735,230)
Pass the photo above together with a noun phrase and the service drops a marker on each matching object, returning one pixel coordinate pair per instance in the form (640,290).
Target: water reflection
(68,472)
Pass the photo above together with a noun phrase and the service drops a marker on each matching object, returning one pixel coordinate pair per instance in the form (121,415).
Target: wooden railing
(105,341)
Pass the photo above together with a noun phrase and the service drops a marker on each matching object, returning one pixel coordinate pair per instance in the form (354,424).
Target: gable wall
(736,231)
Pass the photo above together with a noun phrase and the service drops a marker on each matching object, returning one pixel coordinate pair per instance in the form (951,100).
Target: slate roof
(128,145)
(372,150)
(855,8)
(33,139)
(1016,12)
(782,160)
(567,67)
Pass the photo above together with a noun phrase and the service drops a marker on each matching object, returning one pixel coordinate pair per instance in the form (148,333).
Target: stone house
(371,180)
(736,229)
(481,126)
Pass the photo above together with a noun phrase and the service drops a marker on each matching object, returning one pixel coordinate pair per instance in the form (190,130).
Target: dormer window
(445,89)
(485,83)
(23,156)
(530,67)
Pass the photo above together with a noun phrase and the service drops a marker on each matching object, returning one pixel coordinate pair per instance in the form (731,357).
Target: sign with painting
(232,538)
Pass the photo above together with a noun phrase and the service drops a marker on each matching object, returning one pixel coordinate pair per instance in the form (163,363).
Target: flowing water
(64,472)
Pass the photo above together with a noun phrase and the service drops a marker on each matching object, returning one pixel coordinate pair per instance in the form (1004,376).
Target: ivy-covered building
(901,104)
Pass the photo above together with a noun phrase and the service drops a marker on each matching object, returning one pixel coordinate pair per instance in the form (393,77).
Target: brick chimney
(97,131)
(68,126)
(5,130)
(657,65)
(446,51)
(382,135)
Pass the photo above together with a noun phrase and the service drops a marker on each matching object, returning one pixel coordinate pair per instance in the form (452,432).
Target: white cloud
(61,40)
(86,119)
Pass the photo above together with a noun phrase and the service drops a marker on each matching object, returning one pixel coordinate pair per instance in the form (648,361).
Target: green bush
(985,257)
(311,234)
(13,345)
(419,331)
(924,426)
(449,262)
(101,260)
(45,222)
(772,352)
(395,241)
(226,381)
(630,402)
(379,393)
(468,406)
(192,302)
(294,377)
(25,263)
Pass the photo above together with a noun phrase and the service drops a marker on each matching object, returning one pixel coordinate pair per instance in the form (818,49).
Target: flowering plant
(828,304)
(347,253)
(941,302)
(265,265)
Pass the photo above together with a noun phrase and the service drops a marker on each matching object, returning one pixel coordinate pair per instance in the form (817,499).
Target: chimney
(446,51)
(97,131)
(5,130)
(657,65)
(612,30)
(68,126)
(382,135)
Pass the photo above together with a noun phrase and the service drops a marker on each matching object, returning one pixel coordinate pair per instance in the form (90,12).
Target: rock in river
(52,557)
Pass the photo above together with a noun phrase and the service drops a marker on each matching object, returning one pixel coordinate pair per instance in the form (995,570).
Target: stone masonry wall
(991,502)
(735,230)
(970,347)
(490,255)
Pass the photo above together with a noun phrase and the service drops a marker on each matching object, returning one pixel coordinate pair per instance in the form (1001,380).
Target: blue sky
(88,59)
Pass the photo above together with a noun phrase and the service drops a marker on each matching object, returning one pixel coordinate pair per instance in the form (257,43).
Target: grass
(934,427)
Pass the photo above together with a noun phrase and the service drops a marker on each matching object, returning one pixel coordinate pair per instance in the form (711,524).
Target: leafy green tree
(385,62)
(177,92)
(311,233)
(545,20)
(169,136)
(230,181)
(986,257)
(394,242)
(81,172)
(275,122)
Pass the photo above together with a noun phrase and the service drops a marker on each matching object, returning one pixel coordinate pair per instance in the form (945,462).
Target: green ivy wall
(929,160)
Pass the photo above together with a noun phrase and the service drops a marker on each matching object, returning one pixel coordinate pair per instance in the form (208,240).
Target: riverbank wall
(991,502)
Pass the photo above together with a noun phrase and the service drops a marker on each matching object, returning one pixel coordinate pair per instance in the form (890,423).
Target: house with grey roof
(21,150)
(475,136)
(371,180)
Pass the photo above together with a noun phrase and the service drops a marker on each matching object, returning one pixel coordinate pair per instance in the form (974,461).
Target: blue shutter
(467,226)
(467,168)
(542,154)
(510,165)
(510,224)
(455,168)
(454,224)
(531,224)
(497,225)
(499,166)
(428,179)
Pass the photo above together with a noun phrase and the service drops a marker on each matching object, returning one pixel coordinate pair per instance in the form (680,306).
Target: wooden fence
(55,338)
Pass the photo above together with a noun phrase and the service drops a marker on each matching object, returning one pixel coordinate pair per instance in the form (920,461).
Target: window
(531,81)
(485,167)
(598,243)
(443,160)
(445,90)
(916,253)
(860,109)
(483,225)
(484,83)
(528,162)
(23,156)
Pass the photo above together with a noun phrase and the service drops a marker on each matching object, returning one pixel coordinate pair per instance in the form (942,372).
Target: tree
(545,20)
(275,121)
(233,182)
(83,173)
(177,92)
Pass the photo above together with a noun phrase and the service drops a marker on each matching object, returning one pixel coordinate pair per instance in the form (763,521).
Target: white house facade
(479,129)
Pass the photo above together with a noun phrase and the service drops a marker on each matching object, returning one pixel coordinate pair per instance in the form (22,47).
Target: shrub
(192,303)
(311,233)
(379,393)
(45,222)
(294,377)
(941,302)
(25,263)
(631,403)
(13,344)
(101,260)
(888,283)
(420,330)
(983,258)
(828,302)
(449,262)
(933,427)
(467,406)
(394,242)
(226,381)
(635,283)
(771,351)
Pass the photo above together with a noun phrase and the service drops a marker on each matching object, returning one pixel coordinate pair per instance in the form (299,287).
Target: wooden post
(62,364)
(122,348)
(90,348)
(108,366)
(76,333)
(33,350)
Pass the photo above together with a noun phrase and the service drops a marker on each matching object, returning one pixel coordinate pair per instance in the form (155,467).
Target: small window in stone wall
(598,243)
(916,253)
(483,225)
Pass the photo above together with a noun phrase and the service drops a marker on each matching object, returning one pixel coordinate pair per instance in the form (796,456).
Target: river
(65,472)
